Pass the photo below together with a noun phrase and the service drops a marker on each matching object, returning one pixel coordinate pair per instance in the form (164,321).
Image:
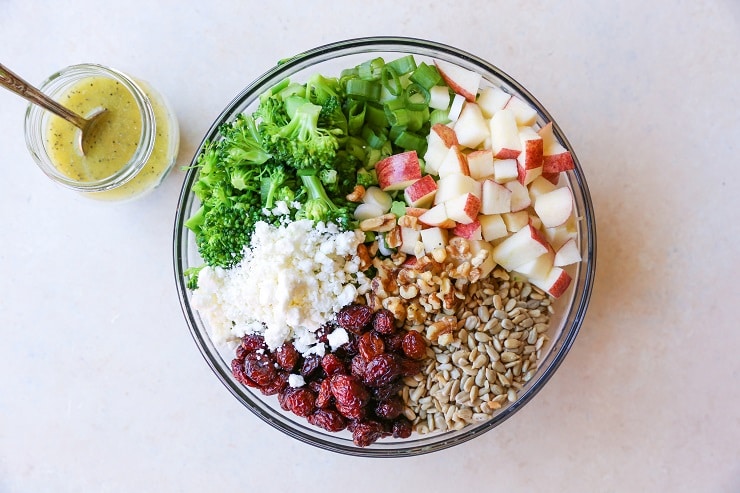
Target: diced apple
(519,196)
(505,142)
(409,238)
(495,198)
(367,211)
(437,216)
(421,193)
(539,186)
(471,128)
(463,209)
(567,254)
(476,246)
(554,208)
(439,97)
(398,171)
(524,114)
(535,221)
(455,185)
(470,231)
(480,164)
(415,211)
(440,139)
(556,282)
(505,170)
(491,99)
(521,247)
(374,195)
(456,107)
(516,220)
(553,178)
(433,238)
(461,80)
(559,235)
(454,163)
(492,226)
(538,268)
(555,157)
(529,161)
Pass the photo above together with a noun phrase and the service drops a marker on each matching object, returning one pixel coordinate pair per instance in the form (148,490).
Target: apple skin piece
(505,170)
(521,247)
(437,217)
(524,114)
(491,99)
(480,164)
(470,231)
(409,238)
(463,209)
(519,196)
(492,226)
(553,178)
(421,193)
(555,157)
(554,208)
(556,282)
(456,185)
(454,163)
(398,171)
(461,80)
(567,254)
(433,238)
(505,141)
(529,161)
(495,198)
(471,128)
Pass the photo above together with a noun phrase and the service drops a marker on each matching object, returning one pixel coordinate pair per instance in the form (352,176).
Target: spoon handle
(14,83)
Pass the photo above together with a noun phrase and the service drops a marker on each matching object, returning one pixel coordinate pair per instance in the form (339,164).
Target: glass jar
(130,151)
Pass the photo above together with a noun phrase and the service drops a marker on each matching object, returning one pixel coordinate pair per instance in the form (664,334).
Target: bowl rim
(578,307)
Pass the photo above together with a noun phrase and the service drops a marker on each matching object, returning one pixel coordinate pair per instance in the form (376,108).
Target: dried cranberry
(401,427)
(253,342)
(237,369)
(324,396)
(328,419)
(387,391)
(259,368)
(357,367)
(287,356)
(348,349)
(393,342)
(370,345)
(351,411)
(349,390)
(282,396)
(414,345)
(241,352)
(355,318)
(382,370)
(389,408)
(384,322)
(311,363)
(322,333)
(366,433)
(314,385)
(332,364)
(277,385)
(301,401)
(409,367)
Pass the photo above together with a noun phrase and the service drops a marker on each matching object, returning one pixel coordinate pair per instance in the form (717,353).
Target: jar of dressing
(128,153)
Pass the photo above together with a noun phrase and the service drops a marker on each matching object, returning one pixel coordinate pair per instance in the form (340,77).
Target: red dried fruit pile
(356,387)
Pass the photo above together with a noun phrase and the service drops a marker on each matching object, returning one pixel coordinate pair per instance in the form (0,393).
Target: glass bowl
(570,308)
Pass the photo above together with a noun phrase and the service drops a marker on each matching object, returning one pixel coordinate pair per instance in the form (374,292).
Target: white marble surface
(102,388)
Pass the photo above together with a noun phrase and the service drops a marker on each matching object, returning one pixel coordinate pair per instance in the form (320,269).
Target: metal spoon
(13,83)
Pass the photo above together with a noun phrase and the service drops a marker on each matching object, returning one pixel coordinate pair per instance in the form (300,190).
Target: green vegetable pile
(308,145)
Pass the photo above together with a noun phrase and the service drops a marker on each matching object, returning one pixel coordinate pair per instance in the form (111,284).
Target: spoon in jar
(15,84)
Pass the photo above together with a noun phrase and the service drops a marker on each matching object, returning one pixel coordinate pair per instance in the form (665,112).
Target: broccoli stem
(316,190)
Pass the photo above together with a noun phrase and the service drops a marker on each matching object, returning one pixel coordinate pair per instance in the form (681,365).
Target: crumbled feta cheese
(296,380)
(292,280)
(337,337)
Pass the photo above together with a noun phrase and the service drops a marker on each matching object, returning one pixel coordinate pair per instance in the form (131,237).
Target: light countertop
(103,390)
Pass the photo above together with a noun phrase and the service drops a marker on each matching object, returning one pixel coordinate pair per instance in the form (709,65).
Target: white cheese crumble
(292,280)
(295,380)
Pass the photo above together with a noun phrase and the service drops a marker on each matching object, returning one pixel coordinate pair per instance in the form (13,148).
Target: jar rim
(36,124)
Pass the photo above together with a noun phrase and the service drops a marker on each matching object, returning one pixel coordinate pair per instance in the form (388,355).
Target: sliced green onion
(411,141)
(427,76)
(403,65)
(395,131)
(355,117)
(374,139)
(365,90)
(439,116)
(390,80)
(371,69)
(417,97)
(375,115)
(356,147)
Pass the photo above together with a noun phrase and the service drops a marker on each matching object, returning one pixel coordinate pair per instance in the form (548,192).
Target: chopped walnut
(357,194)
